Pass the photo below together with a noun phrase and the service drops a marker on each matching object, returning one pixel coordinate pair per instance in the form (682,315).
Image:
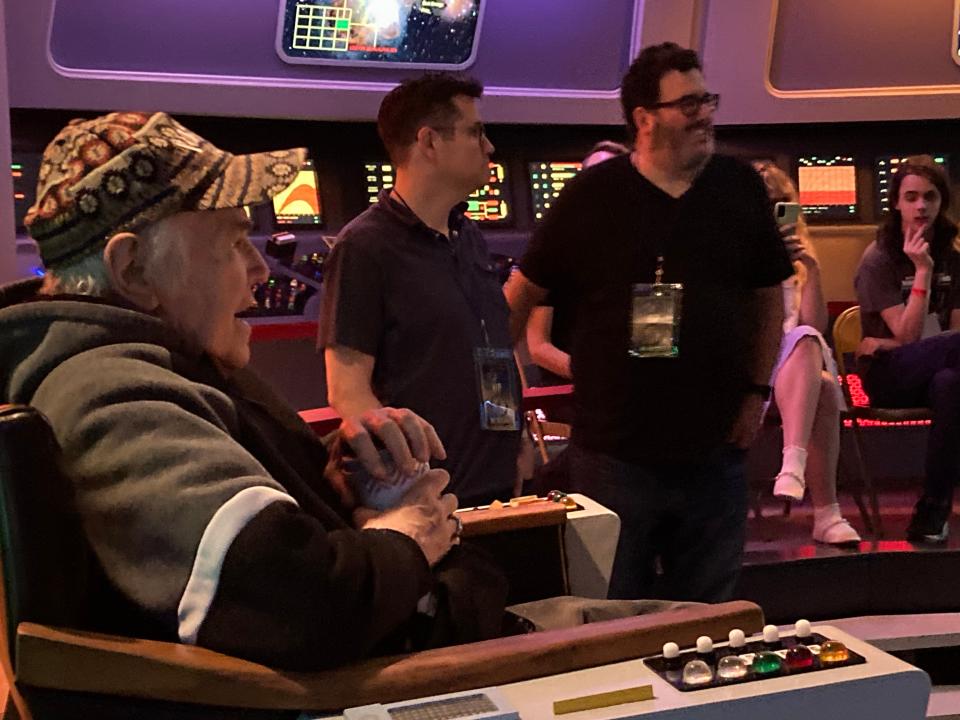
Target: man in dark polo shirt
(413,314)
(659,439)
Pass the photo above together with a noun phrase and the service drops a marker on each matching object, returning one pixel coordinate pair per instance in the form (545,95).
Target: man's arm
(349,381)
(542,350)
(522,297)
(770,312)
(955,319)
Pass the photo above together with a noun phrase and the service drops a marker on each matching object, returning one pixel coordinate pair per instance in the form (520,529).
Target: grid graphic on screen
(300,203)
(425,33)
(489,204)
(318,27)
(884,170)
(547,179)
(828,186)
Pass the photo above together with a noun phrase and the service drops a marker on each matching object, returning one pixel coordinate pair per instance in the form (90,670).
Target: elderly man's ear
(124,257)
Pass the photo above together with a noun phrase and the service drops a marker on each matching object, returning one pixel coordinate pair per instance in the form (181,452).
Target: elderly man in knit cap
(202,495)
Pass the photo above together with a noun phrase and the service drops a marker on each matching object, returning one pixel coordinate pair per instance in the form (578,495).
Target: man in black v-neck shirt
(660,440)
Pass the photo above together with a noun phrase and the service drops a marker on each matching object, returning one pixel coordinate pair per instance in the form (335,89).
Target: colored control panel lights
(558,496)
(798,657)
(697,672)
(833,651)
(732,667)
(767,663)
(803,630)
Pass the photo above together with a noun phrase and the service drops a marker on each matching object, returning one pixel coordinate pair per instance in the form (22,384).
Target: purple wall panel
(824,44)
(523,43)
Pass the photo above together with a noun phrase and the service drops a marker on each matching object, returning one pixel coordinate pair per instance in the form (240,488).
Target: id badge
(497,387)
(655,320)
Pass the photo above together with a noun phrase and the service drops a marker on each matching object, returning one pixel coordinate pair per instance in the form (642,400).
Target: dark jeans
(689,516)
(925,373)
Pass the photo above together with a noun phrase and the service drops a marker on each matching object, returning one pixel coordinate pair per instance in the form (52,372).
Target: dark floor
(790,576)
(776,537)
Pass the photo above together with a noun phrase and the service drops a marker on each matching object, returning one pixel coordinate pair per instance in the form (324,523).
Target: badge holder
(655,320)
(497,387)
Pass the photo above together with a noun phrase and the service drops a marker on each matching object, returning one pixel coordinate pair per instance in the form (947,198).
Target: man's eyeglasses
(475,131)
(690,105)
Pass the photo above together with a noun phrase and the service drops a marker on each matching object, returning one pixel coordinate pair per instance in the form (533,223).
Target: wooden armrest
(540,513)
(108,665)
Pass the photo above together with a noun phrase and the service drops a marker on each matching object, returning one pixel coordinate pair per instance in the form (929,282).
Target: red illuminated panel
(828,186)
(860,399)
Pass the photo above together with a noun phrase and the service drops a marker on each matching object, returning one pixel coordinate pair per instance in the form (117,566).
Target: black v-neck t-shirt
(720,241)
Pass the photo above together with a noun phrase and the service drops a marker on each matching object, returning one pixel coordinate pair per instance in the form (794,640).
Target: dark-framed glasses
(690,105)
(475,131)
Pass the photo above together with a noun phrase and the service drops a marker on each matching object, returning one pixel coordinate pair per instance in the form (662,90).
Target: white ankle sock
(825,514)
(794,461)
(790,483)
(830,527)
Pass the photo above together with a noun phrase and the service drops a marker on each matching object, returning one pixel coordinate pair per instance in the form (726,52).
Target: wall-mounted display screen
(300,203)
(828,187)
(546,181)
(489,204)
(885,168)
(406,33)
(24,168)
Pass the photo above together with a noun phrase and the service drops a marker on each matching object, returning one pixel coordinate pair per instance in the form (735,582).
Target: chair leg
(755,505)
(867,480)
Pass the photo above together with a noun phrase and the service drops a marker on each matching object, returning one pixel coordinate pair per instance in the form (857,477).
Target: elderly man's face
(219,268)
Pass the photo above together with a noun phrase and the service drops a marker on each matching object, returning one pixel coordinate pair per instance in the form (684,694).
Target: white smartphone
(787,213)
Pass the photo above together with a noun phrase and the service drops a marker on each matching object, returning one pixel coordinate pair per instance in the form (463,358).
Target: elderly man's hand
(408,438)
(424,514)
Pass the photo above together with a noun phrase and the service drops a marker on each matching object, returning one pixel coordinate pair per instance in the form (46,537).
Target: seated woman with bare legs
(805,383)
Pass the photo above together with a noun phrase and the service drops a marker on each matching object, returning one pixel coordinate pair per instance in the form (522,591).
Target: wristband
(760,389)
(922,292)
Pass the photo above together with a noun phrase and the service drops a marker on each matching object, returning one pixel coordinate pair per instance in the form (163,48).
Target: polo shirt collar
(401,212)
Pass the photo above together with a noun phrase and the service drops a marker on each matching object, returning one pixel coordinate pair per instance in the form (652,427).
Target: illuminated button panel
(753,660)
(547,179)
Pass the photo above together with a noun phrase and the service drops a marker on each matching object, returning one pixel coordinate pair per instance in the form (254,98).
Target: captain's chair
(55,670)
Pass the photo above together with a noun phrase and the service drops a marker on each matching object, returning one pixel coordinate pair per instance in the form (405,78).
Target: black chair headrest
(45,556)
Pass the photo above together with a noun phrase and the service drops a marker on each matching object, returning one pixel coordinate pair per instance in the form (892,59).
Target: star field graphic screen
(408,33)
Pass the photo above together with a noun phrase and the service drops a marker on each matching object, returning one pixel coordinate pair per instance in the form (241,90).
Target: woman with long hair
(908,287)
(804,382)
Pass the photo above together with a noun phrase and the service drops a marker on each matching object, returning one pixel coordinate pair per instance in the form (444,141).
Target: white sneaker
(836,531)
(789,487)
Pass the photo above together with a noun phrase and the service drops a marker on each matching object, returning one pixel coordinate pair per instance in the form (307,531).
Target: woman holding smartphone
(908,287)
(804,379)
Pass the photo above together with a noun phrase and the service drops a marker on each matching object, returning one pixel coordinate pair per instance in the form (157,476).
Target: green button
(766,663)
